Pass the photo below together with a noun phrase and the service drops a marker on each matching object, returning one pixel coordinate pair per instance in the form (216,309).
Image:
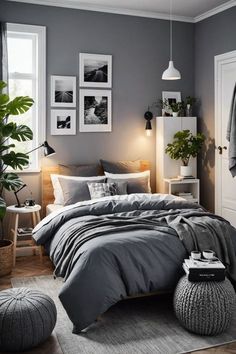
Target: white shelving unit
(174,186)
(167,169)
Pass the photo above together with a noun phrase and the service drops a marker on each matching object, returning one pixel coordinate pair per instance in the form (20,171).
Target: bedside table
(184,188)
(14,218)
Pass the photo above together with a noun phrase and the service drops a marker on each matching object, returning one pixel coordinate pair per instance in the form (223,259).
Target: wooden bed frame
(47,189)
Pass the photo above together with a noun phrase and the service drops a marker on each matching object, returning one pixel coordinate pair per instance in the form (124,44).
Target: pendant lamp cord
(170,29)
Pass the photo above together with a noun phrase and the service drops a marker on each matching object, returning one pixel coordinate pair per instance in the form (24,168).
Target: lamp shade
(48,150)
(171,73)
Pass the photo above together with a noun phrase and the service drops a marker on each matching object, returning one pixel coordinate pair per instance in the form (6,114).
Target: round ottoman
(204,307)
(27,318)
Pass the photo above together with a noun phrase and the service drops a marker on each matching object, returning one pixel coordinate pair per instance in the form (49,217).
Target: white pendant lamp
(171,73)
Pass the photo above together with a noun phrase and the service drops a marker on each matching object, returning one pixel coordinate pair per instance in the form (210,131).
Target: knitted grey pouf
(27,318)
(204,307)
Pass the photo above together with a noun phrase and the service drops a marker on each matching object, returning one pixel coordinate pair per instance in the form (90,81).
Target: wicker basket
(6,257)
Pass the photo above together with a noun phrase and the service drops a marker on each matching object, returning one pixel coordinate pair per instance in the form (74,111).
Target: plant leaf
(7,129)
(2,85)
(11,181)
(22,133)
(2,208)
(16,160)
(19,105)
(6,147)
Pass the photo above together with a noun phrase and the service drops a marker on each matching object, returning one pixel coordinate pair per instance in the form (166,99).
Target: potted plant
(10,131)
(163,105)
(184,146)
(176,108)
(189,105)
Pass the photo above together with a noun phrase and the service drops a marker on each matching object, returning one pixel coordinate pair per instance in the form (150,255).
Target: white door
(225,184)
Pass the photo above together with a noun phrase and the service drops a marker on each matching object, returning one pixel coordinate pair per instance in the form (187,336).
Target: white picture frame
(95,70)
(95,110)
(63,122)
(63,91)
(171,96)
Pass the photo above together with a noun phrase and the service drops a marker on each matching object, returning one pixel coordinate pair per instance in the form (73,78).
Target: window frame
(40,114)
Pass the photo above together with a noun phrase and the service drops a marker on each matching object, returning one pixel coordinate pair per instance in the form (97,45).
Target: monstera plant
(9,159)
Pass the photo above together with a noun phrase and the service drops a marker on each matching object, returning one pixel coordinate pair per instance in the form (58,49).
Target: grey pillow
(75,191)
(99,190)
(81,170)
(121,166)
(134,185)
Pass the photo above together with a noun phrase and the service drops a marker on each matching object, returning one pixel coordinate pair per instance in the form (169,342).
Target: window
(27,77)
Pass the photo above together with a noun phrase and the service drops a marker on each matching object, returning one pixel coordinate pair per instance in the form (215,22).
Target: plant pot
(186,171)
(175,114)
(6,257)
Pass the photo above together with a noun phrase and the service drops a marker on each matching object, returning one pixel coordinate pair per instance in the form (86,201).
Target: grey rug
(138,326)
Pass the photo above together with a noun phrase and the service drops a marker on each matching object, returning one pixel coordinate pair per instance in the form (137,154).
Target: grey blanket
(119,247)
(231,135)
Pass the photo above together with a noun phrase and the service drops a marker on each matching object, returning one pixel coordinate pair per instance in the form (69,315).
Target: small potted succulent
(9,180)
(184,146)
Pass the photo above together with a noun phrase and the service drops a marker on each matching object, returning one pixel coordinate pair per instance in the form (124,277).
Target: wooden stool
(14,217)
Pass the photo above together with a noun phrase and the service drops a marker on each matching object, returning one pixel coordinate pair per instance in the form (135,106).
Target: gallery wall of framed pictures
(95,105)
(63,94)
(95,97)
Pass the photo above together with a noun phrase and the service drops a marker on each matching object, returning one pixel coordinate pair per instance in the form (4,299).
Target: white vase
(186,171)
(175,114)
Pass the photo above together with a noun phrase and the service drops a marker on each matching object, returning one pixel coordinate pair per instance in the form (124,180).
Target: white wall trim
(120,11)
(216,10)
(220,60)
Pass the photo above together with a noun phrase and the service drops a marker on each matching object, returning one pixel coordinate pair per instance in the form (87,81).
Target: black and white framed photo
(95,110)
(171,96)
(95,70)
(63,122)
(63,91)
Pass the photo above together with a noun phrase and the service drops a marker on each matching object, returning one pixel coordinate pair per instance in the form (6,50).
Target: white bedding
(52,207)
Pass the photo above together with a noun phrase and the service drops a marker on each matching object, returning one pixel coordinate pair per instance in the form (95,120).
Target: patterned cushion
(99,190)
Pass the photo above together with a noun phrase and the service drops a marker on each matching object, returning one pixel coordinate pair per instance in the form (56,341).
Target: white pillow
(57,190)
(130,175)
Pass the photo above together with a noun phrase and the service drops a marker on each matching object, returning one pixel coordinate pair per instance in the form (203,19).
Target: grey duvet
(121,246)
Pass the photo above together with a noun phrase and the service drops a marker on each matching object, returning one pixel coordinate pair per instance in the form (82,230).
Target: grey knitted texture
(27,318)
(204,307)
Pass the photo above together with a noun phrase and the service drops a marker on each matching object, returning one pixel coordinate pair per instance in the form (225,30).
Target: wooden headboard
(47,189)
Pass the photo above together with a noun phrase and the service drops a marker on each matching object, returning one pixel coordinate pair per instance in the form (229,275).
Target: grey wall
(213,36)
(140,50)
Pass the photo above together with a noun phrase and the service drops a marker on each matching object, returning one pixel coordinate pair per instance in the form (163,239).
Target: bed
(119,246)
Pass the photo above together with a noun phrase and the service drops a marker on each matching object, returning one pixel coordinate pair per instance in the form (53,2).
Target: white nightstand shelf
(185,188)
(14,218)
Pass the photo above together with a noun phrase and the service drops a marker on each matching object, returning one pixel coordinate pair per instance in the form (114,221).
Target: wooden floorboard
(31,266)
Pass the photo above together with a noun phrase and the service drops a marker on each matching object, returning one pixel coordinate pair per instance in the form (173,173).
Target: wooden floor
(31,266)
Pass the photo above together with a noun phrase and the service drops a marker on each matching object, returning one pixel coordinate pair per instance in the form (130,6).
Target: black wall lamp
(148,116)
(48,151)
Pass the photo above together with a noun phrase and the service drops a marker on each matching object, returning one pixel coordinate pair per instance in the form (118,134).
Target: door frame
(220,61)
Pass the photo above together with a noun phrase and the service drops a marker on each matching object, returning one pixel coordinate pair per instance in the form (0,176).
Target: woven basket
(6,257)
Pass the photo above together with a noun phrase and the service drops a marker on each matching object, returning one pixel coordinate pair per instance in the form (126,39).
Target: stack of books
(24,233)
(204,269)
(187,195)
(186,177)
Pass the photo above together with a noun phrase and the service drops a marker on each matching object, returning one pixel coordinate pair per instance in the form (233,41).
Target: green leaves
(16,160)
(2,85)
(10,181)
(19,105)
(2,208)
(22,133)
(10,130)
(184,146)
